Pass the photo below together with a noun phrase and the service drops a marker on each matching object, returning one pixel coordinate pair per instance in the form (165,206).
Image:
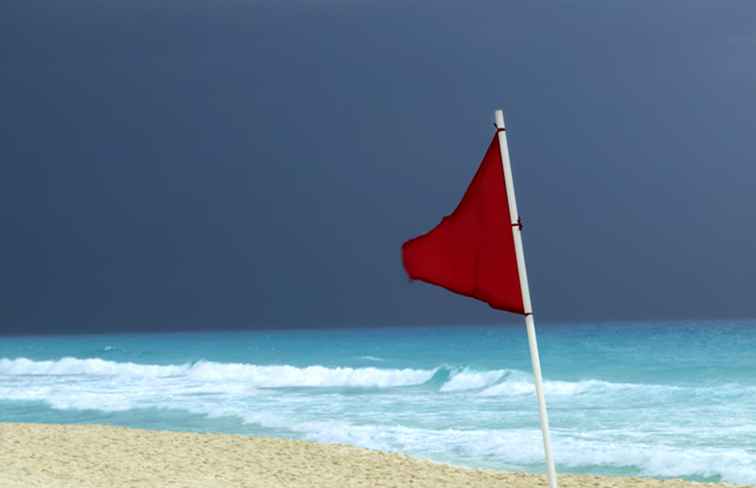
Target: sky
(241,163)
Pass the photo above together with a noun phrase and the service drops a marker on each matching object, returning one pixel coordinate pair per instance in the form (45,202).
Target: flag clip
(518,224)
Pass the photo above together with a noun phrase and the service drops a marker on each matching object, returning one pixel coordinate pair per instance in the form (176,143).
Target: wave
(93,367)
(273,376)
(522,447)
(623,449)
(452,414)
(466,379)
(444,379)
(567,388)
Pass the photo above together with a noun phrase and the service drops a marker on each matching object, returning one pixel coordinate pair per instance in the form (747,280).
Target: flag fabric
(472,251)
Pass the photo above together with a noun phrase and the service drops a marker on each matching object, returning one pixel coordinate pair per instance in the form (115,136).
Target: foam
(565,388)
(93,366)
(488,448)
(472,380)
(487,407)
(276,376)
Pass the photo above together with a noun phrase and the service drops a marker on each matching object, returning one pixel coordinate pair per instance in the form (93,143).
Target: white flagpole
(525,289)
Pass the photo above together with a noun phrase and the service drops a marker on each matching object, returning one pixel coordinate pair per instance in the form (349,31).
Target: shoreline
(85,455)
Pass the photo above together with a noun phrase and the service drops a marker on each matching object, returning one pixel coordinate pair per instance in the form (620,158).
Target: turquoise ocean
(654,399)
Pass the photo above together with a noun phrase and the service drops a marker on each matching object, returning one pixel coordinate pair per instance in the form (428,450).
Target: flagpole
(525,290)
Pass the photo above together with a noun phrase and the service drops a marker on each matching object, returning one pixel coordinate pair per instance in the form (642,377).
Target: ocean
(655,399)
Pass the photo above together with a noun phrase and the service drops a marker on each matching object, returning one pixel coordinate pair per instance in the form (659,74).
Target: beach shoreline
(76,455)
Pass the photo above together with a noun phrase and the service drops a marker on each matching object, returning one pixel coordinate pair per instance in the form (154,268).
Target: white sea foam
(515,383)
(371,407)
(565,388)
(483,383)
(472,380)
(523,447)
(93,366)
(312,376)
(274,376)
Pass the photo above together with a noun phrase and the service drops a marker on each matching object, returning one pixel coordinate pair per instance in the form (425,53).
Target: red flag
(472,251)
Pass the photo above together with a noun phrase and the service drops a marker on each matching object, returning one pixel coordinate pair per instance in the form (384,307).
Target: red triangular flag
(472,251)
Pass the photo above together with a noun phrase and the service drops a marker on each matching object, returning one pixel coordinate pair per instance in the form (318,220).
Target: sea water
(653,399)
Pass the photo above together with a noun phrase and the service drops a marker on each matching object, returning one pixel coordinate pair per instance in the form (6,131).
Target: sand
(82,456)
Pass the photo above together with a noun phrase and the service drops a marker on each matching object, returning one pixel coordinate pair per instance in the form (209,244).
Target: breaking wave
(274,376)
(455,414)
(485,448)
(444,379)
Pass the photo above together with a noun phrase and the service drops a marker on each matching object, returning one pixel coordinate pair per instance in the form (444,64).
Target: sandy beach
(57,456)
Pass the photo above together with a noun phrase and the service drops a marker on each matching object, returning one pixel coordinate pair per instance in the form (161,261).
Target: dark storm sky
(169,165)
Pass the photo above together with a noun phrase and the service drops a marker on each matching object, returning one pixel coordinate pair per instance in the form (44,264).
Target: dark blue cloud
(250,164)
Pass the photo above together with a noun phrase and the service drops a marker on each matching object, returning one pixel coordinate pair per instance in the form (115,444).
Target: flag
(477,251)
(472,251)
